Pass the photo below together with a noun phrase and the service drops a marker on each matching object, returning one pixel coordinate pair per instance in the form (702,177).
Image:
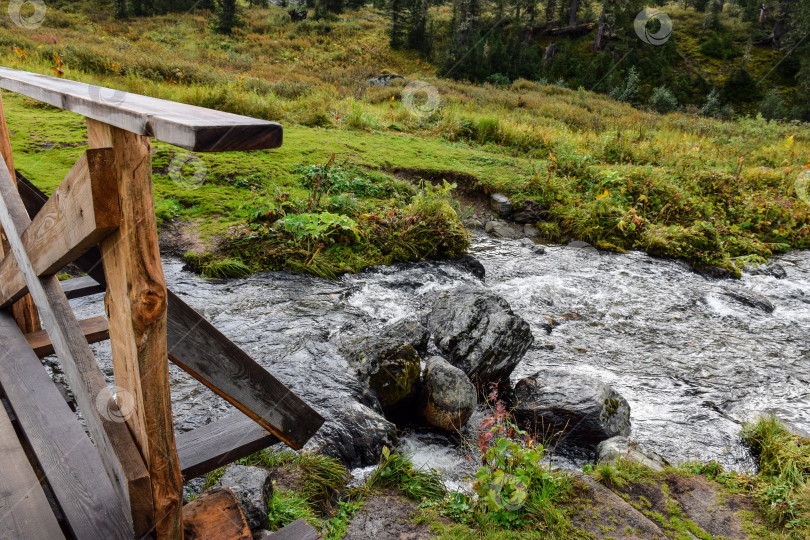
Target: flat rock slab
(387,516)
(697,496)
(606,515)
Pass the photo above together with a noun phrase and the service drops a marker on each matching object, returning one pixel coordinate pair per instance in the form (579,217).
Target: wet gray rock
(253,488)
(576,410)
(384,80)
(449,397)
(608,451)
(499,229)
(471,265)
(354,430)
(748,298)
(477,332)
(775,270)
(500,204)
(539,250)
(527,211)
(530,231)
(388,363)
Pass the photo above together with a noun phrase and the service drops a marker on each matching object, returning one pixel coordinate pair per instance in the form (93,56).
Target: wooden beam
(64,453)
(25,313)
(24,509)
(83,210)
(208,447)
(94,330)
(297,530)
(118,453)
(81,286)
(136,310)
(215,514)
(265,397)
(193,128)
(203,351)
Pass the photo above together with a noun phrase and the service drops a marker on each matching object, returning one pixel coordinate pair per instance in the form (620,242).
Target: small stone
(450,398)
(527,211)
(608,451)
(549,346)
(501,204)
(253,488)
(499,229)
(526,242)
(539,250)
(531,231)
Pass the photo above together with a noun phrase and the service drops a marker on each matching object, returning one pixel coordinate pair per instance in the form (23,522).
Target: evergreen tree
(226,16)
(418,36)
(398,11)
(120,9)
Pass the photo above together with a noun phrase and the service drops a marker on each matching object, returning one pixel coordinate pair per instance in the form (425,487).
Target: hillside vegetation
(334,198)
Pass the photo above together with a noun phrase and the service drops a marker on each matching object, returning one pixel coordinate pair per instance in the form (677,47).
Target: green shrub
(772,106)
(663,100)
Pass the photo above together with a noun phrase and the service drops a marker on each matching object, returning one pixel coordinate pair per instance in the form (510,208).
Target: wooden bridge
(125,479)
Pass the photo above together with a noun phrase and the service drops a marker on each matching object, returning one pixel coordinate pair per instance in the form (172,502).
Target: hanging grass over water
(397,471)
(784,462)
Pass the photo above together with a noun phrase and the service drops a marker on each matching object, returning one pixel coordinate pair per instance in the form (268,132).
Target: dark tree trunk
(600,31)
(551,7)
(781,22)
(572,13)
(550,50)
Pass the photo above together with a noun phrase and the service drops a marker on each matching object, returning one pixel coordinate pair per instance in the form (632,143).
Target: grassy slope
(678,185)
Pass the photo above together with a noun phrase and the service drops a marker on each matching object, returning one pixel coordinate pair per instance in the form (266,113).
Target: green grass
(706,191)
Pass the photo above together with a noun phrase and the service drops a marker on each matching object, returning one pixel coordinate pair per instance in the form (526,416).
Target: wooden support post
(136,310)
(25,313)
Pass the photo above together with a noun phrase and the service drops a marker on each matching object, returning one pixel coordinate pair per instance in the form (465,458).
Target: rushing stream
(692,362)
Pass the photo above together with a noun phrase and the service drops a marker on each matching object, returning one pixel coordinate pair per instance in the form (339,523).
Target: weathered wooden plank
(215,514)
(118,453)
(25,313)
(211,446)
(186,126)
(136,310)
(200,349)
(94,330)
(297,530)
(24,509)
(266,397)
(64,452)
(81,286)
(83,210)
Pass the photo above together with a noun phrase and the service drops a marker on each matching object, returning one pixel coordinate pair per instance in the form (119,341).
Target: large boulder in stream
(747,297)
(478,333)
(449,398)
(355,429)
(389,360)
(576,410)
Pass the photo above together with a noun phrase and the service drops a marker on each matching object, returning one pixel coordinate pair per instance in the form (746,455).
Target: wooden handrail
(193,128)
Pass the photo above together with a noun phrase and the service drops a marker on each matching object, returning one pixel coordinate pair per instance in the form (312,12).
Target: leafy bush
(720,46)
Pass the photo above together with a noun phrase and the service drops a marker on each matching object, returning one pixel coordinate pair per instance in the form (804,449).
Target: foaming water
(692,362)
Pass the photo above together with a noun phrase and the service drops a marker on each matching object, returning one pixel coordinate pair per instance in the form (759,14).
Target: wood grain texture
(215,515)
(117,450)
(25,313)
(204,352)
(65,454)
(136,310)
(208,447)
(81,286)
(297,530)
(83,210)
(94,330)
(24,509)
(193,128)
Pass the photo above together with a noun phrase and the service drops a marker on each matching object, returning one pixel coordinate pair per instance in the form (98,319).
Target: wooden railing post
(25,313)
(136,308)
